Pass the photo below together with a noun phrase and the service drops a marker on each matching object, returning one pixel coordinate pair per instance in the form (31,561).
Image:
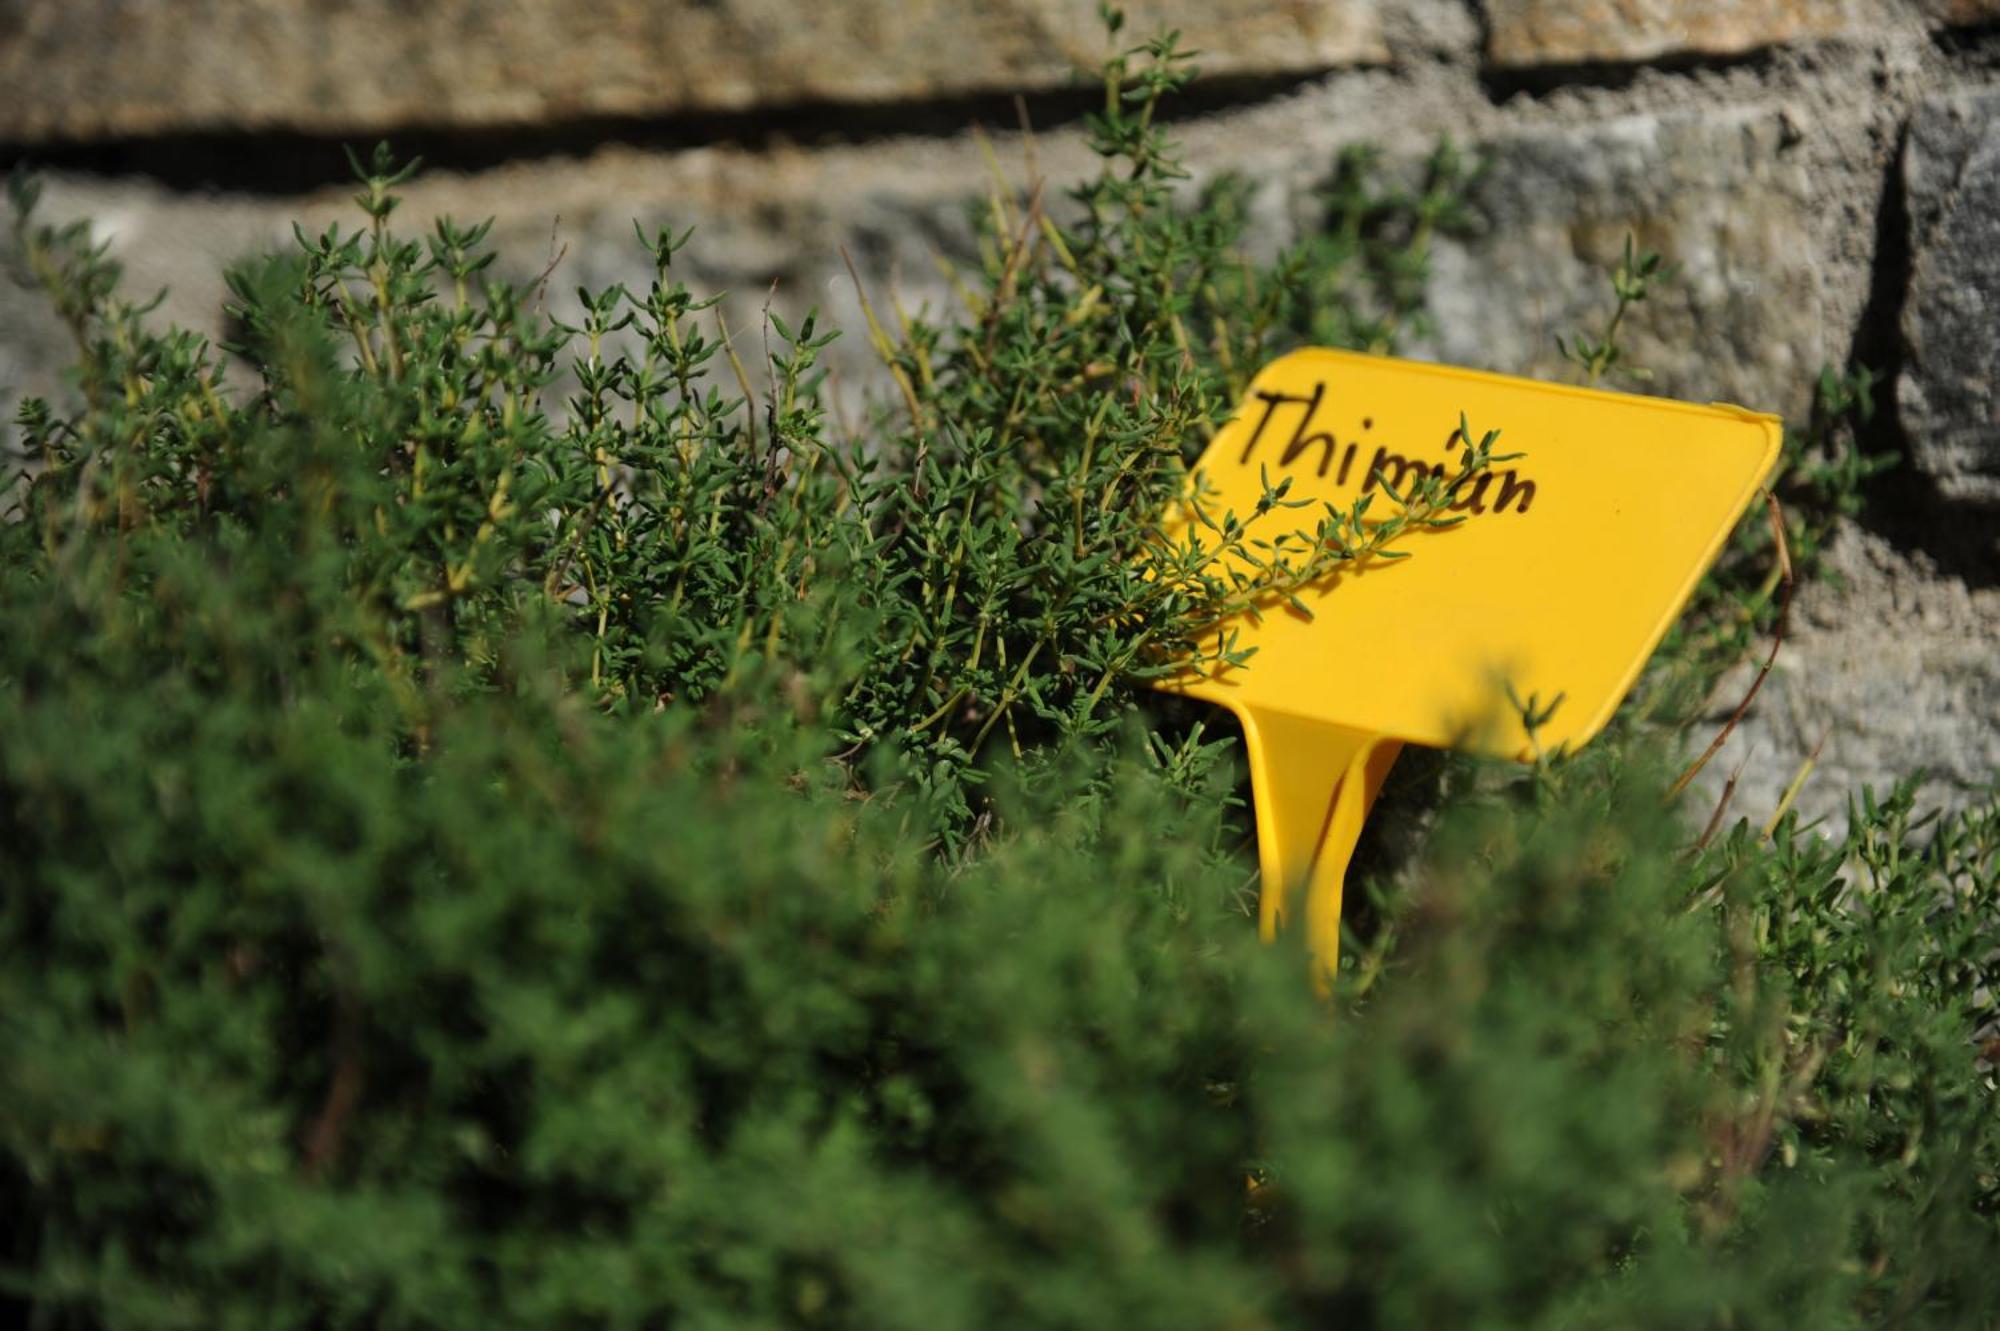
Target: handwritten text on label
(1509,490)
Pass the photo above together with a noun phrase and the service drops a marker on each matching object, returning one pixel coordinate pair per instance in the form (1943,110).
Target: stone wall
(1826,173)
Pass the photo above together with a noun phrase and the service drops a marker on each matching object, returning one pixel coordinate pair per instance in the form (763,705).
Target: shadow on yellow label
(1571,560)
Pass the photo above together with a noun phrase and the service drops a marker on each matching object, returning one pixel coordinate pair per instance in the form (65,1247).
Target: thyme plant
(984,570)
(641,860)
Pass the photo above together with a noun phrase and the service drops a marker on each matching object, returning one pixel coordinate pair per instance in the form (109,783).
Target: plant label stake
(1572,561)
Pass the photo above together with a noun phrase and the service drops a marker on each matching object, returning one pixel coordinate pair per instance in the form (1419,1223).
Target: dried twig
(541,283)
(742,376)
(343,1091)
(1721,808)
(1778,633)
(1798,783)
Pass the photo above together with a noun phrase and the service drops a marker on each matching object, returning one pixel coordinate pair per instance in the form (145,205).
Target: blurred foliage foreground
(654,860)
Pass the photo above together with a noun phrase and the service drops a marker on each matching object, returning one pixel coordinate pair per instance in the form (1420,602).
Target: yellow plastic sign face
(1571,563)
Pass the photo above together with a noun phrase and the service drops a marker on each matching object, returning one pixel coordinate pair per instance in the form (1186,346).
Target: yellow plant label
(1571,561)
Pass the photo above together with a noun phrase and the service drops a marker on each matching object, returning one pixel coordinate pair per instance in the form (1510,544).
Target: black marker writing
(1392,470)
(1300,440)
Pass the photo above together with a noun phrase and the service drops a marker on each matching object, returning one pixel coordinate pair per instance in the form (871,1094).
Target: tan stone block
(93,69)
(1556,32)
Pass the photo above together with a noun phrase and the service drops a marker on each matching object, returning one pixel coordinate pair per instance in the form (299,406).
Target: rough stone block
(1888,671)
(93,69)
(1717,193)
(1962,13)
(1949,392)
(1560,32)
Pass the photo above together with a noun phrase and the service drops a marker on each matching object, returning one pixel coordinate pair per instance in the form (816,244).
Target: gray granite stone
(1949,393)
(1716,192)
